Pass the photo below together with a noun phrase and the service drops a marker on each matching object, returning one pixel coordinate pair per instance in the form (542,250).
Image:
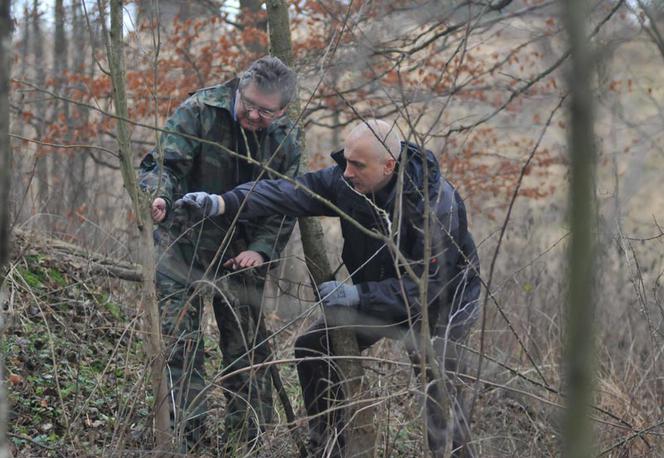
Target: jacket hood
(415,169)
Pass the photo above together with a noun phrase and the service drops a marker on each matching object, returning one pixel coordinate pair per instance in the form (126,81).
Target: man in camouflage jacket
(244,116)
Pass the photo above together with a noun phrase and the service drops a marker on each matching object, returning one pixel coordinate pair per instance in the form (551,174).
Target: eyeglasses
(263,112)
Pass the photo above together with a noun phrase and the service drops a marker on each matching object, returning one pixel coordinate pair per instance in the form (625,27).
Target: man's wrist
(355,296)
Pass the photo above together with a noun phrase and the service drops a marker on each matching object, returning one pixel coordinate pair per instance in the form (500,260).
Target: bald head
(371,151)
(382,137)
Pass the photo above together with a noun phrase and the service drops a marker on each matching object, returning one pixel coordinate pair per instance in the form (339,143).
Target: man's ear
(390,164)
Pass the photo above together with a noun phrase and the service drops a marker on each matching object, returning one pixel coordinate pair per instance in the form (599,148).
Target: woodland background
(481,84)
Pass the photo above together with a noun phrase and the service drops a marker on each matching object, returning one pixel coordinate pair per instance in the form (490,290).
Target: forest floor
(78,387)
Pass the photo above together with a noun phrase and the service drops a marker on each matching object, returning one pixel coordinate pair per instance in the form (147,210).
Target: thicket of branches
(481,84)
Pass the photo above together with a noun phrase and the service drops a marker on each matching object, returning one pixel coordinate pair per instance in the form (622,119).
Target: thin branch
(64,146)
(503,229)
(535,80)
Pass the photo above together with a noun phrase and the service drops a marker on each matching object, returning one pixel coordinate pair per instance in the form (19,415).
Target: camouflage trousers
(248,392)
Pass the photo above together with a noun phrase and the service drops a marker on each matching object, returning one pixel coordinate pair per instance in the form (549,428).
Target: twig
(633,436)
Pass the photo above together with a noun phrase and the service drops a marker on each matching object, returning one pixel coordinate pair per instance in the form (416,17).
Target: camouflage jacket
(204,164)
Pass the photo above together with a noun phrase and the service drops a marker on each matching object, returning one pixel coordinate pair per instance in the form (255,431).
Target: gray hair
(271,75)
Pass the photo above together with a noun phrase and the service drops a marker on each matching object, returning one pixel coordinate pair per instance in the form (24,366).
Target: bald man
(379,299)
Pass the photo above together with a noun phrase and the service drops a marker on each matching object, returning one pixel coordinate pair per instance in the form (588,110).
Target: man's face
(367,169)
(255,110)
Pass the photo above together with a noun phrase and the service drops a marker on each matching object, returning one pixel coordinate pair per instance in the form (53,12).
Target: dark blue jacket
(386,290)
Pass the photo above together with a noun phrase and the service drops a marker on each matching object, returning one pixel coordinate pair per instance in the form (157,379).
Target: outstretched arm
(305,196)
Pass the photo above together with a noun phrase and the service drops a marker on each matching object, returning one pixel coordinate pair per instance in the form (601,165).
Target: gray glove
(195,206)
(336,293)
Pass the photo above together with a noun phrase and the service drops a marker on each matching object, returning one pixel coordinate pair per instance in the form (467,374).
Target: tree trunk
(5,146)
(76,166)
(60,115)
(361,434)
(145,253)
(41,164)
(19,161)
(5,165)
(577,439)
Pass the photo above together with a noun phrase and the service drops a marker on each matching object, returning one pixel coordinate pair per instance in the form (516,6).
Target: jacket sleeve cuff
(265,249)
(231,203)
(169,202)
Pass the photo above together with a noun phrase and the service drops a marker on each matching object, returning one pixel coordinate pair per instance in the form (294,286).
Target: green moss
(56,277)
(104,299)
(115,310)
(33,279)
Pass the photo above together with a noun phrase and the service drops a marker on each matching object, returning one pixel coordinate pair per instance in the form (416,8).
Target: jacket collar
(220,96)
(338,157)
